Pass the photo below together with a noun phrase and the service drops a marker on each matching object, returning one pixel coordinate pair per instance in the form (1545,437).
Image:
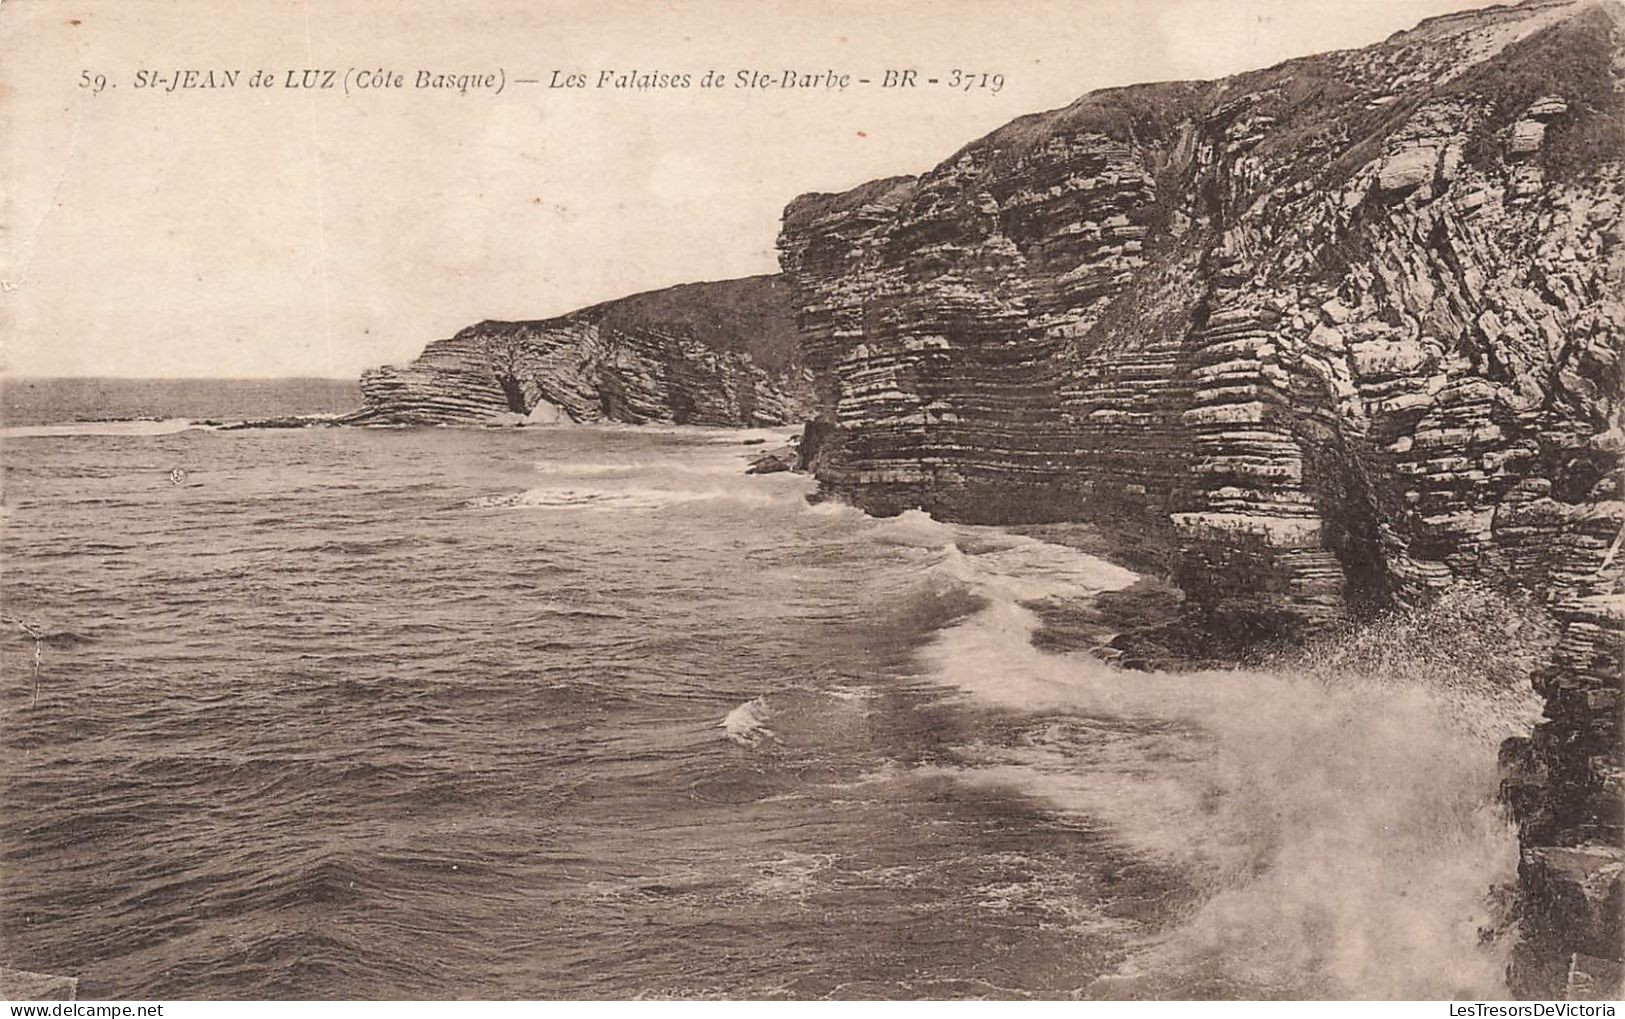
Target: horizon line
(6,377)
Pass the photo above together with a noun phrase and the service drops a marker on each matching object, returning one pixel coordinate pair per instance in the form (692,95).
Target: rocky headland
(1334,337)
(721,354)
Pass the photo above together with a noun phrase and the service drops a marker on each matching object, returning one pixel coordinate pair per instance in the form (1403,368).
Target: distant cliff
(704,353)
(1335,335)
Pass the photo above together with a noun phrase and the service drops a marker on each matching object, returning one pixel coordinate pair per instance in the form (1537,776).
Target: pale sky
(247,232)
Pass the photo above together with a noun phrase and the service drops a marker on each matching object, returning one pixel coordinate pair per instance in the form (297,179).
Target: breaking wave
(1337,821)
(704,473)
(747,724)
(629,498)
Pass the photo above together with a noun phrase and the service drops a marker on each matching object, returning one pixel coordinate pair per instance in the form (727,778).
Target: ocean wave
(572,611)
(628,498)
(747,724)
(834,509)
(587,469)
(852,693)
(1028,570)
(719,466)
(791,876)
(914,528)
(996,564)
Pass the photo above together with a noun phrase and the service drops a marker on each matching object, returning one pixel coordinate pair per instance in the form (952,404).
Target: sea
(589,712)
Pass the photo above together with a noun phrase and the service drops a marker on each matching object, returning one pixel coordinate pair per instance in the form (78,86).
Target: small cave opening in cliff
(1578,476)
(682,407)
(514,392)
(1351,504)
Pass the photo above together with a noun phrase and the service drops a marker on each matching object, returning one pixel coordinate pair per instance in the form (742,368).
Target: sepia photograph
(811,500)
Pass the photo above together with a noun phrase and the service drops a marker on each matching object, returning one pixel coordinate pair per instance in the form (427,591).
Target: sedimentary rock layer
(1337,334)
(704,353)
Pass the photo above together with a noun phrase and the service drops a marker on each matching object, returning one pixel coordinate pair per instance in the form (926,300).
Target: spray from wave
(747,724)
(1334,815)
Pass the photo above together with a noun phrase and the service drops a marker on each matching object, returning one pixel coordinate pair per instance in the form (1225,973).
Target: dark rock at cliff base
(279,422)
(773,461)
(1574,911)
(720,354)
(816,445)
(1335,335)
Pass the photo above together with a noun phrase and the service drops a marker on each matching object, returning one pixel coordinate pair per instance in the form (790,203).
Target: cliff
(702,353)
(1336,335)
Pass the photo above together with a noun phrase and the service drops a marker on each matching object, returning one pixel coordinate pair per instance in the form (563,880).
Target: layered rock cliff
(703,353)
(1337,335)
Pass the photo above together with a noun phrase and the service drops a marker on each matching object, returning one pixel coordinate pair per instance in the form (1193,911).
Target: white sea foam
(834,509)
(584,469)
(626,498)
(747,724)
(1344,833)
(843,692)
(1029,570)
(726,466)
(914,528)
(167,426)
(791,876)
